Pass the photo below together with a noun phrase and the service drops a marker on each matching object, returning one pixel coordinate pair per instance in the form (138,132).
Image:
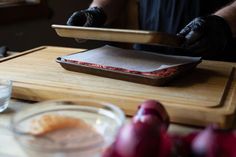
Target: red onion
(139,139)
(205,144)
(181,145)
(145,136)
(153,112)
(213,142)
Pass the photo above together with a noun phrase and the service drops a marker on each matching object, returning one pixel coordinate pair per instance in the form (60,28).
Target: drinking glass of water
(5,93)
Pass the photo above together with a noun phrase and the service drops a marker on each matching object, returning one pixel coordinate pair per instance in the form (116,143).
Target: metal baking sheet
(119,35)
(131,65)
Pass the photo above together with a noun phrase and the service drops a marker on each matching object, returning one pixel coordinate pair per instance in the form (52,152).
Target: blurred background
(26,24)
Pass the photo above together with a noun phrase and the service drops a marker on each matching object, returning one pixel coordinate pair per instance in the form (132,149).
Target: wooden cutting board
(206,95)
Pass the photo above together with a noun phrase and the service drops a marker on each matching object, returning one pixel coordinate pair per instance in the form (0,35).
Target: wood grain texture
(206,95)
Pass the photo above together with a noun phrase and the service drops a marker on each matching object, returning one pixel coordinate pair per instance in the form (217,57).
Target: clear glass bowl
(96,122)
(5,93)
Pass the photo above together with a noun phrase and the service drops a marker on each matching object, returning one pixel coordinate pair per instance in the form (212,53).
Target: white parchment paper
(136,60)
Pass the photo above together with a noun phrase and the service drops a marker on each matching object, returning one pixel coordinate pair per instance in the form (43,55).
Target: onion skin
(227,143)
(205,144)
(181,145)
(142,140)
(153,112)
(138,139)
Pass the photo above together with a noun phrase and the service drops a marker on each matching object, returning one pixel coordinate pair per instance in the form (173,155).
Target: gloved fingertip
(179,35)
(70,23)
(3,51)
(185,31)
(71,20)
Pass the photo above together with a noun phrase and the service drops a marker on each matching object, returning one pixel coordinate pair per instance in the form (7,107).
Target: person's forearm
(229,14)
(112,8)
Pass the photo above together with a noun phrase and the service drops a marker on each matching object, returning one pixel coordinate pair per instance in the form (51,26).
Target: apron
(171,16)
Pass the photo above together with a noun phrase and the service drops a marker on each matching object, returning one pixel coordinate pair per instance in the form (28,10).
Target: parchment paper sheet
(136,60)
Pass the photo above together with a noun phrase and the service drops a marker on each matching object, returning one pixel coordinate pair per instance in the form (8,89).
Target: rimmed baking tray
(119,35)
(130,65)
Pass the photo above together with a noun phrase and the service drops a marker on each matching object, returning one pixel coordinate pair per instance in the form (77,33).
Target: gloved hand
(3,51)
(91,17)
(206,35)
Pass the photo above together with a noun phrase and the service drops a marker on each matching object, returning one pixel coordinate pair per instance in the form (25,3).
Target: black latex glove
(91,17)
(206,35)
(3,51)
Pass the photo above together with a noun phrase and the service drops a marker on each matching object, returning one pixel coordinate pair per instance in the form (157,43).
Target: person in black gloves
(209,27)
